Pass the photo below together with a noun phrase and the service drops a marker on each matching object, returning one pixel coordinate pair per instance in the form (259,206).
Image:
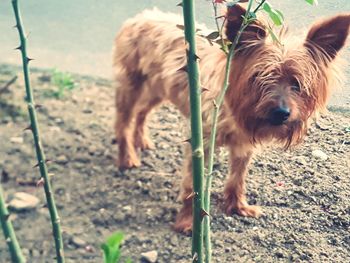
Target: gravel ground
(304,192)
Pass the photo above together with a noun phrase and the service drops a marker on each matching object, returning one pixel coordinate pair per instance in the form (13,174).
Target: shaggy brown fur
(274,91)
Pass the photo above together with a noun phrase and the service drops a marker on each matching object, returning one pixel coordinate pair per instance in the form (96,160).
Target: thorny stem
(196,130)
(217,105)
(259,5)
(215,7)
(55,220)
(9,233)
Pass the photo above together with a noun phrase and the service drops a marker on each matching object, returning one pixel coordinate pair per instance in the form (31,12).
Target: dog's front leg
(234,194)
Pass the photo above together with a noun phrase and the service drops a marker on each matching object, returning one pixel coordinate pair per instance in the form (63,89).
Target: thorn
(205,89)
(6,217)
(40,182)
(190,196)
(179,4)
(28,60)
(28,128)
(196,57)
(38,106)
(187,140)
(182,27)
(218,17)
(47,161)
(184,68)
(204,213)
(15,26)
(19,47)
(214,103)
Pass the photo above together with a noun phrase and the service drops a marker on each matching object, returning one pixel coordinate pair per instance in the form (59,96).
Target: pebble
(150,256)
(318,154)
(16,139)
(62,159)
(127,208)
(301,160)
(174,240)
(22,201)
(78,242)
(59,121)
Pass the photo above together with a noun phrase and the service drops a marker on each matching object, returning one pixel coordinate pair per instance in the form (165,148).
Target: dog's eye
(295,86)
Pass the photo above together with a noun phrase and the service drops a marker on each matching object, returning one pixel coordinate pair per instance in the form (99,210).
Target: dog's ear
(328,36)
(234,18)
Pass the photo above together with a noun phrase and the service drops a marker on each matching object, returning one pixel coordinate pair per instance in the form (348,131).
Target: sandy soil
(305,199)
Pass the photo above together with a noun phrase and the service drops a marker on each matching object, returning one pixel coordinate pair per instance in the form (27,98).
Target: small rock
(175,241)
(78,242)
(62,159)
(150,256)
(119,216)
(318,154)
(280,254)
(59,121)
(139,184)
(16,139)
(87,111)
(22,201)
(89,249)
(127,208)
(301,160)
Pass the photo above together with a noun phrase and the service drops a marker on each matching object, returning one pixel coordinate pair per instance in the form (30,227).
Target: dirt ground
(305,199)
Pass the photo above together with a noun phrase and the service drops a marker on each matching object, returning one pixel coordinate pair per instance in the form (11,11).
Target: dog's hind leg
(144,107)
(127,96)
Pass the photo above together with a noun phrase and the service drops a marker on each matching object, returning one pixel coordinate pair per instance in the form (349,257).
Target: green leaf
(280,13)
(274,36)
(106,253)
(275,15)
(115,239)
(213,35)
(111,248)
(312,2)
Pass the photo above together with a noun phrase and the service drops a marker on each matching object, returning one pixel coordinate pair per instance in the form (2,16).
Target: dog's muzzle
(279,115)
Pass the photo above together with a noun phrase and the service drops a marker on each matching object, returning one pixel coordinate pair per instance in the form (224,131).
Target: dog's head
(278,87)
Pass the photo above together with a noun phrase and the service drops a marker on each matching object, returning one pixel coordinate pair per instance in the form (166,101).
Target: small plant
(34,127)
(111,248)
(63,82)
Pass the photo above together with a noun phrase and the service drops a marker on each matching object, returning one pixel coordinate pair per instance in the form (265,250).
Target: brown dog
(274,91)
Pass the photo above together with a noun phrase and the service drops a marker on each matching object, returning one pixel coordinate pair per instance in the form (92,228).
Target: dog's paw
(243,210)
(127,163)
(184,219)
(144,143)
(183,225)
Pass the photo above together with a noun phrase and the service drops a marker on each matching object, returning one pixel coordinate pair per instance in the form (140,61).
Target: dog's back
(150,52)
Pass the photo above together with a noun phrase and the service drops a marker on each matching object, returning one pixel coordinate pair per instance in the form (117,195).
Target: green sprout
(111,248)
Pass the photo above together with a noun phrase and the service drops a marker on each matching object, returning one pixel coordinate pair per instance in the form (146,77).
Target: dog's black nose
(279,115)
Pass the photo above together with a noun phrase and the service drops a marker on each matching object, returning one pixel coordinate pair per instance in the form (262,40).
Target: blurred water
(77,35)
